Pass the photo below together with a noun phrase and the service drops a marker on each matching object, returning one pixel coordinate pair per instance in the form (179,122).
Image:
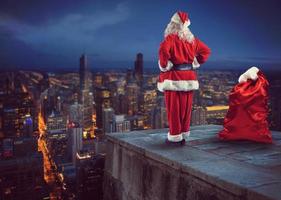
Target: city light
(73,113)
(41,124)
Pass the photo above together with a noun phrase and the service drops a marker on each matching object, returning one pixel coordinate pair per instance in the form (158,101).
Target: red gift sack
(246,118)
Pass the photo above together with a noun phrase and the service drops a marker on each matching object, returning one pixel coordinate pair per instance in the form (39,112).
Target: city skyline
(52,35)
(64,119)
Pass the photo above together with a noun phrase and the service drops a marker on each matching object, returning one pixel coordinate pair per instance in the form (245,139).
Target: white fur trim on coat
(251,73)
(174,138)
(167,68)
(180,85)
(195,63)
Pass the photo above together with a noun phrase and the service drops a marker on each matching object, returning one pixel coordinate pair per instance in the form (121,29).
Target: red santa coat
(174,51)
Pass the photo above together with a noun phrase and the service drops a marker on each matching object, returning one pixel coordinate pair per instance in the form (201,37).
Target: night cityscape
(58,104)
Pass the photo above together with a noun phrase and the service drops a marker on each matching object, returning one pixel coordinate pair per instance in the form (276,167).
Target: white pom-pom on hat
(251,73)
(181,18)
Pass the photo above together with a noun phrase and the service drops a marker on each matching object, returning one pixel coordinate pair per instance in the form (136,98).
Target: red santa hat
(181,18)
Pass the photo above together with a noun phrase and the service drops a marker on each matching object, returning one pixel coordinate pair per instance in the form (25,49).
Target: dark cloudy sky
(53,33)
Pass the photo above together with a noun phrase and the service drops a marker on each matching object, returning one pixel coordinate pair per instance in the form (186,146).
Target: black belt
(183,67)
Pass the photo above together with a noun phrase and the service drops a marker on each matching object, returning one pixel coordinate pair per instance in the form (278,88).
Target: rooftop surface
(244,167)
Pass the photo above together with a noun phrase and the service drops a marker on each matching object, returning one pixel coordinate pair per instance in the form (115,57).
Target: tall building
(56,127)
(103,101)
(50,102)
(83,73)
(22,175)
(139,69)
(136,122)
(21,165)
(121,124)
(159,114)
(75,144)
(87,105)
(86,95)
(107,119)
(147,103)
(132,97)
(56,122)
(14,110)
(28,125)
(76,113)
(89,177)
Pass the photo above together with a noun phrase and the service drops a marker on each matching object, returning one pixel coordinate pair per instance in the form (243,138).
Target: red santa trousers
(179,106)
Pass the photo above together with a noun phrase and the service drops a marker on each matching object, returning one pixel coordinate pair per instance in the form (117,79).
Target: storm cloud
(54,33)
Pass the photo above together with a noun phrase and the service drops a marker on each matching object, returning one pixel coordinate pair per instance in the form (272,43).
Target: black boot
(182,142)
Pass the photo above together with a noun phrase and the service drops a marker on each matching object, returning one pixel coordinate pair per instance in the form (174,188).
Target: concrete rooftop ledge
(139,165)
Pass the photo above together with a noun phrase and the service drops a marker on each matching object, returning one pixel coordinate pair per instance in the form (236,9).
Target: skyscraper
(107,118)
(158,114)
(83,72)
(21,164)
(76,113)
(139,69)
(121,124)
(132,98)
(103,100)
(74,141)
(86,95)
(56,123)
(14,109)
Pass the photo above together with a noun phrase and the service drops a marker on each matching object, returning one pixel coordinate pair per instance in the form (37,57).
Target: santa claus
(179,55)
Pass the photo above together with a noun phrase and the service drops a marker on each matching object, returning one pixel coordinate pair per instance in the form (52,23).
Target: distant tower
(103,101)
(86,96)
(139,68)
(107,119)
(83,72)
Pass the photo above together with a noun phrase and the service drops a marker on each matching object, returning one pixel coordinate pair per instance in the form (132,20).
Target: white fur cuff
(167,68)
(180,85)
(186,133)
(251,73)
(174,138)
